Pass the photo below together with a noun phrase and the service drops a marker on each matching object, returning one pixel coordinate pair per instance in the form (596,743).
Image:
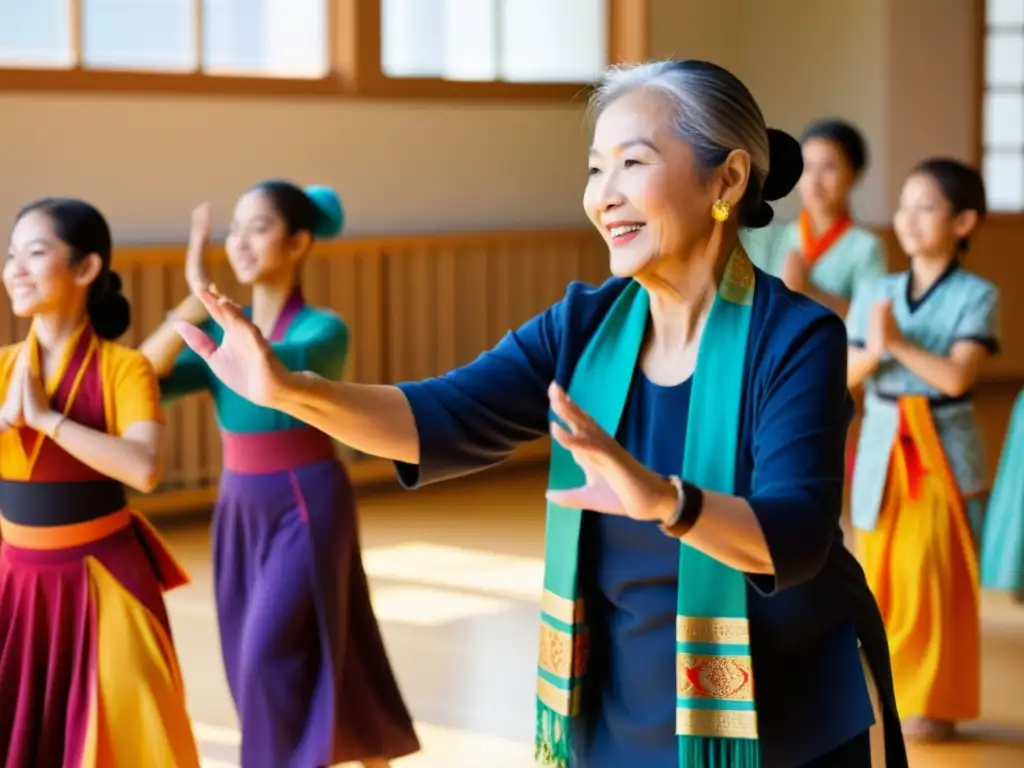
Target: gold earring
(721,209)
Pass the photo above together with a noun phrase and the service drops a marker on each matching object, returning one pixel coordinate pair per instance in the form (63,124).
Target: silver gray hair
(713,111)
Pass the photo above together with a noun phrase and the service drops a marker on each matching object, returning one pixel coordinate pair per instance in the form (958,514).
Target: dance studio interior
(456,134)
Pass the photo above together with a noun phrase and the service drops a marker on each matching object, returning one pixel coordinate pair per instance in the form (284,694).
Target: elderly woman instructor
(699,607)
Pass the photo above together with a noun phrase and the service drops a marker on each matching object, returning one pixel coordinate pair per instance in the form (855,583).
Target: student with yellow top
(89,677)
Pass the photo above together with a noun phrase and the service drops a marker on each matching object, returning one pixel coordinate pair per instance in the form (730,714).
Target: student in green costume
(303,654)
(823,253)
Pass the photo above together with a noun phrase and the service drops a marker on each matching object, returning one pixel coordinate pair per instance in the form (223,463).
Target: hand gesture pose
(244,360)
(616,483)
(199,236)
(11,412)
(883,332)
(35,405)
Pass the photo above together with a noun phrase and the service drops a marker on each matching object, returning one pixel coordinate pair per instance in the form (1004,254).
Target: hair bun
(110,313)
(785,165)
(114,284)
(330,219)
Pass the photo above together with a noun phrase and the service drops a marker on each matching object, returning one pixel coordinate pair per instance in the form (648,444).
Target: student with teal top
(699,608)
(1002,553)
(304,657)
(823,254)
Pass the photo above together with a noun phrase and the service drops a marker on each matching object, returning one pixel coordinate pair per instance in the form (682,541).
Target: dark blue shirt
(631,572)
(807,617)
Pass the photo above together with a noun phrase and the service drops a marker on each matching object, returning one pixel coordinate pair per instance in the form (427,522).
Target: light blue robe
(959,306)
(857,256)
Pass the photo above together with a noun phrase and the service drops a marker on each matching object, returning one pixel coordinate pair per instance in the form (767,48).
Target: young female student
(305,661)
(88,673)
(917,339)
(823,254)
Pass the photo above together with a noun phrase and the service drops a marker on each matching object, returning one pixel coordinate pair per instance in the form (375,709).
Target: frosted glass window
(267,38)
(1004,119)
(1004,180)
(523,41)
(154,35)
(1004,58)
(470,39)
(412,34)
(35,33)
(1004,12)
(570,44)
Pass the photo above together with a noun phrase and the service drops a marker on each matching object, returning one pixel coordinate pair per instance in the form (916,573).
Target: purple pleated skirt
(304,656)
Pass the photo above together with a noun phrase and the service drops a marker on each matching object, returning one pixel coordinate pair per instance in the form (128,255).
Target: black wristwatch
(689,505)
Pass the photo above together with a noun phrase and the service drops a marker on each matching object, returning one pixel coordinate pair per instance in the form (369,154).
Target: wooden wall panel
(416,307)
(419,306)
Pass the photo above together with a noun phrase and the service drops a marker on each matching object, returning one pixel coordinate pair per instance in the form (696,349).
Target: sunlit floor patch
(519,578)
(426,606)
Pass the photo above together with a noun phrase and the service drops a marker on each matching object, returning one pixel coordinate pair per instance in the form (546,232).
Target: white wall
(901,69)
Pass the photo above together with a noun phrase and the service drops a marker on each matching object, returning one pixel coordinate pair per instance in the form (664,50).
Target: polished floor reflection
(455,571)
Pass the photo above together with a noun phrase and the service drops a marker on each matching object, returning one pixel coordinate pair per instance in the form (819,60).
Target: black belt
(934,402)
(45,505)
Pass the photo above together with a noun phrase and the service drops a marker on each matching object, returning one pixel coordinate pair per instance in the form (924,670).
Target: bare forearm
(373,419)
(946,375)
(163,346)
(134,464)
(859,365)
(728,531)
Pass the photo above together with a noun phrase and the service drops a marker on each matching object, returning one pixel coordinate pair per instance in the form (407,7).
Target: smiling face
(925,223)
(259,246)
(645,194)
(827,178)
(38,274)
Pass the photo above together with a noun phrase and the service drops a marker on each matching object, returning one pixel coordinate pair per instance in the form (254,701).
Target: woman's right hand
(244,361)
(199,235)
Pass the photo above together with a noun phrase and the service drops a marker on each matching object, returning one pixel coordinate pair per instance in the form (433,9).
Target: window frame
(354,47)
(981,36)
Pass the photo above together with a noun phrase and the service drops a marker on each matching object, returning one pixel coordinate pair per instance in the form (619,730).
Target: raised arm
(976,338)
(862,358)
(779,534)
(798,451)
(467,420)
(181,372)
(869,265)
(134,454)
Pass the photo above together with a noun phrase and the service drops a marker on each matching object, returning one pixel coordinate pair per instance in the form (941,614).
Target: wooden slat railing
(421,305)
(416,306)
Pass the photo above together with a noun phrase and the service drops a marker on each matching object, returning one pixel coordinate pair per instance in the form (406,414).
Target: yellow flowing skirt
(921,564)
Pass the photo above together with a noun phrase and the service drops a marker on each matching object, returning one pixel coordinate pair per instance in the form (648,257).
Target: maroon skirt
(88,674)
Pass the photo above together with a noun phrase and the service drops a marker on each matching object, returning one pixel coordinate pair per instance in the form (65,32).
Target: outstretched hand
(243,361)
(616,483)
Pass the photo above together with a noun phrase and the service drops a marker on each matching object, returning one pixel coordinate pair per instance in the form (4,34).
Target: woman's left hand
(35,405)
(616,483)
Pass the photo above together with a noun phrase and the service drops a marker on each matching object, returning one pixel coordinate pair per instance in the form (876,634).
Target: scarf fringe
(705,752)
(552,744)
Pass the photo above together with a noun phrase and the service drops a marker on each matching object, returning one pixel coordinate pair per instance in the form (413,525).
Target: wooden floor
(455,573)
